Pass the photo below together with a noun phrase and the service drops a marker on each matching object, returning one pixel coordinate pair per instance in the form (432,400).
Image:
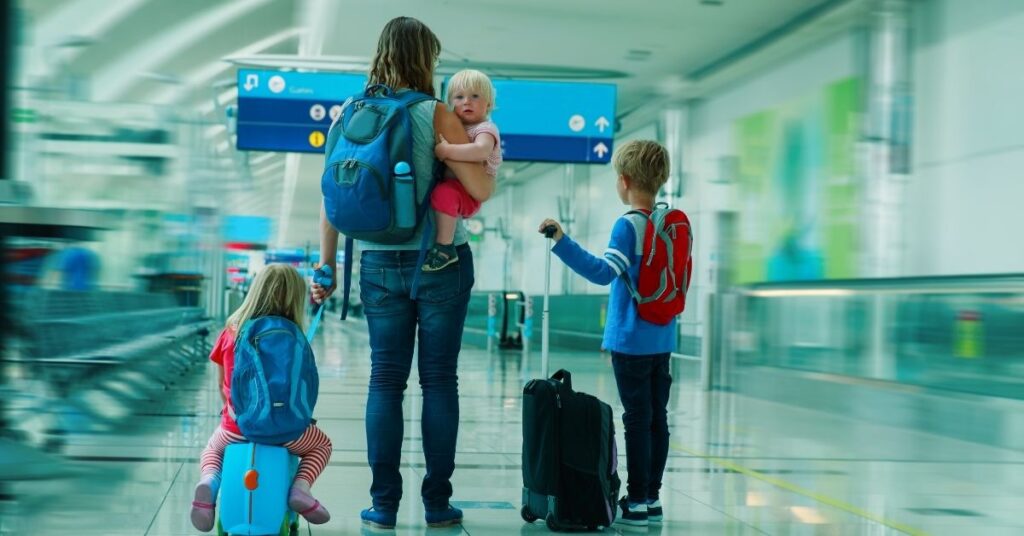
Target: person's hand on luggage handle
(552,223)
(321,293)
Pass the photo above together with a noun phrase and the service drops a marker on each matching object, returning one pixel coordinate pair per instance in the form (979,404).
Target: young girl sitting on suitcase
(277,290)
(640,349)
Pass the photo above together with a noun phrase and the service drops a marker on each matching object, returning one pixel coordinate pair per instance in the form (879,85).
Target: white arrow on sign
(602,123)
(601,149)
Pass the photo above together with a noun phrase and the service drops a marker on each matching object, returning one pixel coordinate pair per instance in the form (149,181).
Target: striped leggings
(313,449)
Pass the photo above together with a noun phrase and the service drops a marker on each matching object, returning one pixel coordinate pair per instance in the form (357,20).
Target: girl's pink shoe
(203,505)
(303,503)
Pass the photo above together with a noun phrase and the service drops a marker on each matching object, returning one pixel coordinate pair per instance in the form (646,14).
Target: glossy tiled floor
(738,466)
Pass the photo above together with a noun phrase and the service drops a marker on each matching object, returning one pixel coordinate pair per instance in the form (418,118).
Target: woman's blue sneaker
(654,512)
(444,518)
(377,519)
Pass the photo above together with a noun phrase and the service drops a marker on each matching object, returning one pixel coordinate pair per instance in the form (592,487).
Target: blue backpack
(368,183)
(275,383)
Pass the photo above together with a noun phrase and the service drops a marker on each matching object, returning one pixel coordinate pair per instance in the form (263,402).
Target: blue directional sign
(539,121)
(555,121)
(287,111)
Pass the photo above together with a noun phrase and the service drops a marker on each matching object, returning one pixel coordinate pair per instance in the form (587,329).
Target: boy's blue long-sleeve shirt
(624,331)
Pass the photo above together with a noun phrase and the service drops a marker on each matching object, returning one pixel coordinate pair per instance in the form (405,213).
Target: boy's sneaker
(654,512)
(440,257)
(379,520)
(444,518)
(632,514)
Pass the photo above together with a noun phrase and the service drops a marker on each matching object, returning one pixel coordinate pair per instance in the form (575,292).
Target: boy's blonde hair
(472,80)
(277,290)
(645,162)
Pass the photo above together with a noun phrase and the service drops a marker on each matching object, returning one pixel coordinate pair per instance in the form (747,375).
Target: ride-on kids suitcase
(254,491)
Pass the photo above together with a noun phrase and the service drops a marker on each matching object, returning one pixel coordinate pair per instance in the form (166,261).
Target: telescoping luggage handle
(563,376)
(549,233)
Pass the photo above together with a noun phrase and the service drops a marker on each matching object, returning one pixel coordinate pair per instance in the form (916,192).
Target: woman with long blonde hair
(277,290)
(406,55)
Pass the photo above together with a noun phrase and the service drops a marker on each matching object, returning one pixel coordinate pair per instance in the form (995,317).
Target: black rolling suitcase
(570,459)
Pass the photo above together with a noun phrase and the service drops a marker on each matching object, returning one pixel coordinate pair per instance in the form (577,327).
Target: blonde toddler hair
(472,80)
(645,162)
(277,290)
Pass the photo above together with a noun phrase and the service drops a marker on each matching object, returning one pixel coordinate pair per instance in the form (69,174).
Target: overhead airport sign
(287,111)
(539,121)
(555,121)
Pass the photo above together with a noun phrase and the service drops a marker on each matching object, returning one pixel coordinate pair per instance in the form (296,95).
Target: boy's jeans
(392,317)
(644,385)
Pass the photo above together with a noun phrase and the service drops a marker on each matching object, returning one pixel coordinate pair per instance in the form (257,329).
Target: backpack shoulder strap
(423,216)
(332,132)
(428,234)
(638,219)
(658,216)
(347,277)
(409,98)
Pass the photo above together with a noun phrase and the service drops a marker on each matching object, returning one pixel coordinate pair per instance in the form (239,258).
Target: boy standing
(640,349)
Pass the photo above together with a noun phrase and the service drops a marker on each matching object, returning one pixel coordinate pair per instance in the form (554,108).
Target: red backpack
(665,265)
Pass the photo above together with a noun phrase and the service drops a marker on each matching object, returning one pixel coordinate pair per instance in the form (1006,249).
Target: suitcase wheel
(553,525)
(527,515)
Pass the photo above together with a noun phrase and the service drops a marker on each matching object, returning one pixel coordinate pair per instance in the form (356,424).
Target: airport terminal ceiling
(172,54)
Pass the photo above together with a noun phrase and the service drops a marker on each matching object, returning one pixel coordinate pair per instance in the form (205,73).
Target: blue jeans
(392,316)
(644,384)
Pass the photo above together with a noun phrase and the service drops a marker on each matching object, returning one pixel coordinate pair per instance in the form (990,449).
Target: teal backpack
(274,384)
(368,183)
